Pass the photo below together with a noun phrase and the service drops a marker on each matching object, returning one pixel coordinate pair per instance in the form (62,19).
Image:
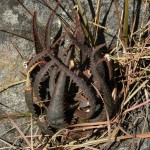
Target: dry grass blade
(7,143)
(21,4)
(96,20)
(81,11)
(67,30)
(104,140)
(14,45)
(48,25)
(14,115)
(102,123)
(11,85)
(5,29)
(118,17)
(85,26)
(21,133)
(138,89)
(137,106)
(24,8)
